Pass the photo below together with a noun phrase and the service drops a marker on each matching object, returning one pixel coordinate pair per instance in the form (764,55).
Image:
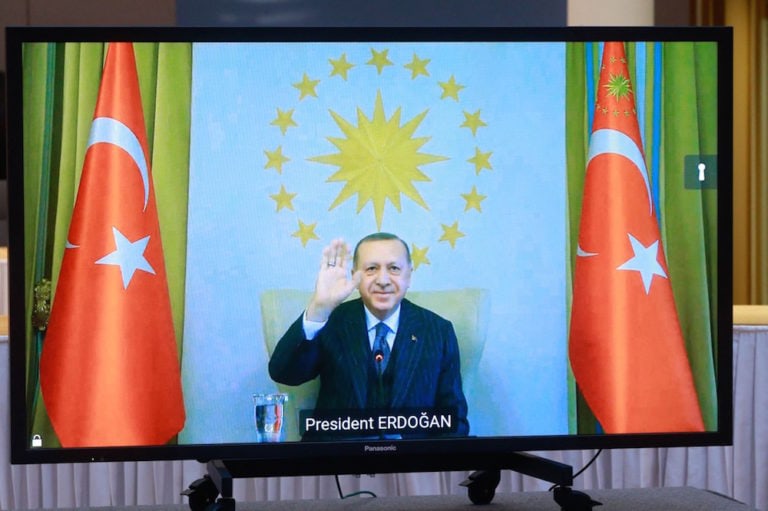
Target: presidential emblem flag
(109,369)
(626,347)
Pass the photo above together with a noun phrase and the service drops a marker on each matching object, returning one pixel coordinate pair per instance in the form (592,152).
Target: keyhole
(701,171)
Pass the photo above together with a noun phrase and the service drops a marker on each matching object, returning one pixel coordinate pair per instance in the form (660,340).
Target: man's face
(386,275)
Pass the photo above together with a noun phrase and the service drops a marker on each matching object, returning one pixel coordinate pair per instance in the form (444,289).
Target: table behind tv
(645,499)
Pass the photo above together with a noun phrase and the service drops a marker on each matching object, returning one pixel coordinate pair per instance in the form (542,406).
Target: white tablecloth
(740,471)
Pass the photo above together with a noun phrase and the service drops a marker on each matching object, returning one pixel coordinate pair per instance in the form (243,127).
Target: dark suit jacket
(423,368)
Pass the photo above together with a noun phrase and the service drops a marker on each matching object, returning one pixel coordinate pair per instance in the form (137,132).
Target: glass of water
(268,415)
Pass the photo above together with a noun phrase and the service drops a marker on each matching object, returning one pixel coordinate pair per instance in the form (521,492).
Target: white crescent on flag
(111,131)
(605,141)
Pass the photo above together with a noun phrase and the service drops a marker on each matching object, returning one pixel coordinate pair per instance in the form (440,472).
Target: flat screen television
(558,210)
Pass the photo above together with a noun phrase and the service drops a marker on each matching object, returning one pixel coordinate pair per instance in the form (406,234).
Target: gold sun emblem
(379,159)
(619,86)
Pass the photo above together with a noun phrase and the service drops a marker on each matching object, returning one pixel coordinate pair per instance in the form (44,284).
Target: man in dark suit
(408,362)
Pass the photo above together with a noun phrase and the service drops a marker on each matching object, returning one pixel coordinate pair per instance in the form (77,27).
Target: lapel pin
(413,338)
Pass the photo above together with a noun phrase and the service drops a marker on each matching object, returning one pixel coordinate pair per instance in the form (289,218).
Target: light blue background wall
(515,247)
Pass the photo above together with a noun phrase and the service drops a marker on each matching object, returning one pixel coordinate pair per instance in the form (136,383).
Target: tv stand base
(481,485)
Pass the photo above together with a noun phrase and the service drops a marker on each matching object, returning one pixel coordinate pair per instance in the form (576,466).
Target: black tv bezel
(307,458)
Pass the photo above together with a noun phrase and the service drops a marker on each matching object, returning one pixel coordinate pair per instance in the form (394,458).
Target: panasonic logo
(380,448)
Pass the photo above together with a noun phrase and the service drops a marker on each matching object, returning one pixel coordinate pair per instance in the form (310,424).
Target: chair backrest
(279,309)
(468,310)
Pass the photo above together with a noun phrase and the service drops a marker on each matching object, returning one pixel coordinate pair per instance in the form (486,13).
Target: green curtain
(690,216)
(685,123)
(61,82)
(577,147)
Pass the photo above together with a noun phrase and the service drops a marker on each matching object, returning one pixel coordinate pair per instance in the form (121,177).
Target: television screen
(366,250)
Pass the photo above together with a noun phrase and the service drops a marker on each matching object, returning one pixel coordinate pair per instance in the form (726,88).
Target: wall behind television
(392,13)
(166,12)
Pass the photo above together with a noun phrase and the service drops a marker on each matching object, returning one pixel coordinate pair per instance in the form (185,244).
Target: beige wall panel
(610,12)
(737,14)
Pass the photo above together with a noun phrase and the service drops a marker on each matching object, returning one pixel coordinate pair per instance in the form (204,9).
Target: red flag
(109,370)
(626,347)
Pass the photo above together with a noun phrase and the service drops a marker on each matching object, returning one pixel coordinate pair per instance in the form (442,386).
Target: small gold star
(340,66)
(284,120)
(481,160)
(276,159)
(450,89)
(306,87)
(451,233)
(473,121)
(283,199)
(473,200)
(379,59)
(419,256)
(418,67)
(305,233)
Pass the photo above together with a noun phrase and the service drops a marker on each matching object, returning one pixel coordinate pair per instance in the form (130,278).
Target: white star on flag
(644,261)
(129,256)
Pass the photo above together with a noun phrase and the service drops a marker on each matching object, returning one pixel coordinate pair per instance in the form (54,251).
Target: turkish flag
(626,347)
(109,369)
